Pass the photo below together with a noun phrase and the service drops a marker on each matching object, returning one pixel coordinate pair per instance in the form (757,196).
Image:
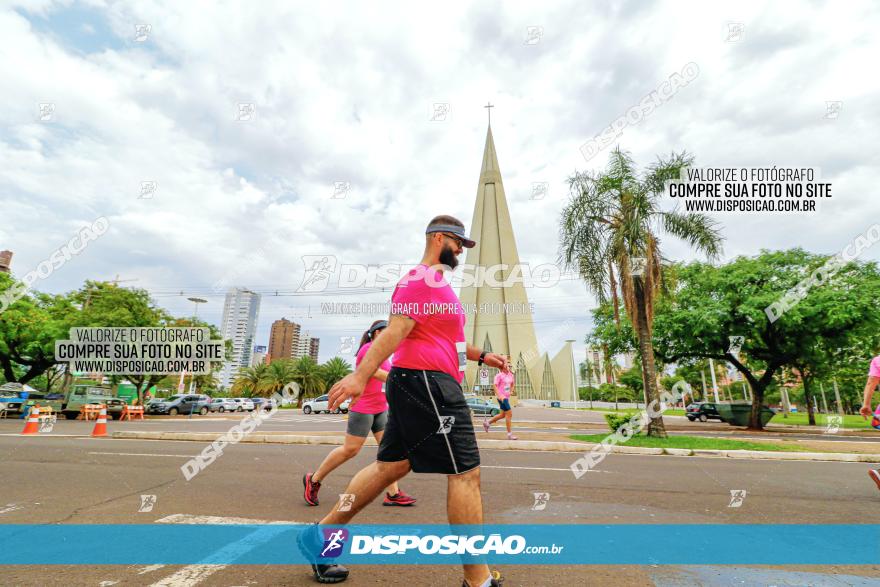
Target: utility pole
(824,401)
(703,378)
(837,397)
(786,405)
(714,383)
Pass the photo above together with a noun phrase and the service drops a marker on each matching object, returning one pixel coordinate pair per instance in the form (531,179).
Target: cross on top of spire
(488,108)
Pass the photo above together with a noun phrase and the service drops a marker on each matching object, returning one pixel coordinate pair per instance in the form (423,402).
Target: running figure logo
(637,265)
(541,501)
(736,343)
(346,500)
(334,542)
(147,503)
(319,268)
(46,111)
(446,423)
(834,423)
(737,497)
(47,423)
(346,345)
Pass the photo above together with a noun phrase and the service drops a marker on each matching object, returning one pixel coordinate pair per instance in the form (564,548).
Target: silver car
(223,404)
(322,404)
(243,403)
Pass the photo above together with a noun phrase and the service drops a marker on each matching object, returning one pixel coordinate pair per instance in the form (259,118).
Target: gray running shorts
(362,424)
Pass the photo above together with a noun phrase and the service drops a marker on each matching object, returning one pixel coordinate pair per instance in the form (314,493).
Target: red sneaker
(401,499)
(311,489)
(875,475)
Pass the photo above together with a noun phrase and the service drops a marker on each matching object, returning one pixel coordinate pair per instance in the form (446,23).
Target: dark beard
(447,257)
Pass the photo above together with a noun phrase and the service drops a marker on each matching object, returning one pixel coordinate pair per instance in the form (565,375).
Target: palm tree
(611,219)
(207,382)
(278,374)
(334,370)
(309,378)
(586,369)
(249,380)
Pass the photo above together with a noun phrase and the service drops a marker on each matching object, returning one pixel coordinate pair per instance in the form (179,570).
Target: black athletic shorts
(429,423)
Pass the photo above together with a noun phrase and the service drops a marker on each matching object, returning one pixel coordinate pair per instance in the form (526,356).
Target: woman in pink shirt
(503,384)
(368,414)
(865,411)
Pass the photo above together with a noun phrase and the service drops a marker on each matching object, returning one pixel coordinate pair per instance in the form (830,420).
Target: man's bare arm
(869,391)
(491,359)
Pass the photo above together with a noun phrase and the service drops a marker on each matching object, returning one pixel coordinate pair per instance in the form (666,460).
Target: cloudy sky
(345,92)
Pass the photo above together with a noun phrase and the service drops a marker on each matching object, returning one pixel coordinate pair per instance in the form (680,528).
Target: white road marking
(194,574)
(189,575)
(149,569)
(141,454)
(190,519)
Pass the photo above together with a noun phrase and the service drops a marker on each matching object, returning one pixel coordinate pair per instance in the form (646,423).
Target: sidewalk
(554,442)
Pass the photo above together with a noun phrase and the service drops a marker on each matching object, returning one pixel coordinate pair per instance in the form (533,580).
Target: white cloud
(343,93)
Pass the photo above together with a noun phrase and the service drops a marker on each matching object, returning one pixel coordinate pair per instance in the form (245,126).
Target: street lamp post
(196,302)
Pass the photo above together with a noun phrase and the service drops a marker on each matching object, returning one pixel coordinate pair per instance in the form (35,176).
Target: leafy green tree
(248,381)
(29,327)
(614,217)
(711,304)
(334,370)
(309,378)
(105,304)
(276,376)
(632,378)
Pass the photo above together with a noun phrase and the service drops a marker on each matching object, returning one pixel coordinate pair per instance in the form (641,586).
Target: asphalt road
(525,420)
(62,479)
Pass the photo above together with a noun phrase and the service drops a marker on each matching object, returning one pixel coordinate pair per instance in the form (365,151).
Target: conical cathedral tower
(502,321)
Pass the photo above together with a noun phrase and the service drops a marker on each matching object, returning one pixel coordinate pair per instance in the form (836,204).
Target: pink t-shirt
(372,401)
(874,370)
(503,384)
(436,342)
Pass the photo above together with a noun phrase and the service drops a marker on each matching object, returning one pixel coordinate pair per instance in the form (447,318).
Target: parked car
(482,406)
(244,403)
(182,403)
(223,404)
(702,411)
(321,404)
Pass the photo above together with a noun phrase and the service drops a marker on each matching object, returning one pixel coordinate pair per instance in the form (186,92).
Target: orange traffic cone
(101,423)
(32,426)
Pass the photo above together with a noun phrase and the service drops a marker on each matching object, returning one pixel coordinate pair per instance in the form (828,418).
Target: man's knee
(392,471)
(471,477)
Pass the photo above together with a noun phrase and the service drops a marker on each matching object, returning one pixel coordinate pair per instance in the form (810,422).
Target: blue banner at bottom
(510,544)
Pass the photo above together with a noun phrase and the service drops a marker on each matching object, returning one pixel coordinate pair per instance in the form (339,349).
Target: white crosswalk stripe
(191,575)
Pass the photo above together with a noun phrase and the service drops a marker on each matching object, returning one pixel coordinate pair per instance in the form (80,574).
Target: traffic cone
(101,423)
(32,426)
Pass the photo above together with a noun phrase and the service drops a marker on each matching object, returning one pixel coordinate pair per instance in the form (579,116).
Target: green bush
(588,393)
(615,421)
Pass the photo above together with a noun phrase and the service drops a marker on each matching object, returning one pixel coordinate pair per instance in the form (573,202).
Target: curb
(535,445)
